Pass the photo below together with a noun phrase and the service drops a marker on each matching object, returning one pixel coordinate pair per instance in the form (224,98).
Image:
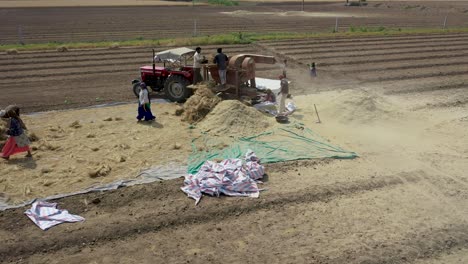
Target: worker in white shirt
(284,92)
(198,59)
(144,104)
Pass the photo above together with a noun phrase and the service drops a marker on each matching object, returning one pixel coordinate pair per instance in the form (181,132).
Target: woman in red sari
(17,141)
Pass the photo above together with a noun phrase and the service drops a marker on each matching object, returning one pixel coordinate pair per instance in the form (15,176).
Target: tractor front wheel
(176,89)
(136,89)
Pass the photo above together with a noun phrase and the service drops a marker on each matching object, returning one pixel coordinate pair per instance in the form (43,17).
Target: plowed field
(400,102)
(397,64)
(65,24)
(78,77)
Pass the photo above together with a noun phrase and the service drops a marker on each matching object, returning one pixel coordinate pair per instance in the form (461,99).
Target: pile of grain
(234,119)
(200,104)
(363,107)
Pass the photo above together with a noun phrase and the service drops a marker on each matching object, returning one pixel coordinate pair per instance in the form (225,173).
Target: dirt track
(400,102)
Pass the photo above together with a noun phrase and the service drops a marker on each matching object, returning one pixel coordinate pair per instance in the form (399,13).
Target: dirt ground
(401,103)
(403,201)
(81,3)
(91,23)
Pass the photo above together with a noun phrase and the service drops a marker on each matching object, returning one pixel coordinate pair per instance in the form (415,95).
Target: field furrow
(142,57)
(383,42)
(378,56)
(428,44)
(420,74)
(460,61)
(339,40)
(51,56)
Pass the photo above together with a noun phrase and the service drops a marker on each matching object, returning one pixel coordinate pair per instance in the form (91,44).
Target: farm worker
(198,59)
(144,104)
(285,63)
(284,92)
(270,96)
(17,141)
(221,60)
(313,71)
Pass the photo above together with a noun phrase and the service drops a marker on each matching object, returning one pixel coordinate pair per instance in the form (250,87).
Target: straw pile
(364,107)
(233,119)
(199,104)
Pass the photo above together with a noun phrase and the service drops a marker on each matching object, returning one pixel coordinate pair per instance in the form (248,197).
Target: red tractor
(172,78)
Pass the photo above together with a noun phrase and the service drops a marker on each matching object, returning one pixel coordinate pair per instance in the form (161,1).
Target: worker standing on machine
(221,60)
(198,59)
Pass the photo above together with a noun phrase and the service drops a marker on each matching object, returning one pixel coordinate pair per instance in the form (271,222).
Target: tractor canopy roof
(174,55)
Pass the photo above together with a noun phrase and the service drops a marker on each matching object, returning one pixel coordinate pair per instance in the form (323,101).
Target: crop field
(399,101)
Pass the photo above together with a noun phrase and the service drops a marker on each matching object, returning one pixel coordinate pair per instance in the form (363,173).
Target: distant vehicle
(172,78)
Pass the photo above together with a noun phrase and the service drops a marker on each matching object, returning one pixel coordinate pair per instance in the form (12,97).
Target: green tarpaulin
(292,142)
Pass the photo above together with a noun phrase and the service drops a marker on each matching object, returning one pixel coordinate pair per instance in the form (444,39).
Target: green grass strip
(231,38)
(223,2)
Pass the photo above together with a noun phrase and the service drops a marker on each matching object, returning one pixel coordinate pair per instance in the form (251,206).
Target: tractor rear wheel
(176,89)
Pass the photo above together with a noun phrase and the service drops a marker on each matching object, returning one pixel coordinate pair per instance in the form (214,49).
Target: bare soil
(72,24)
(400,102)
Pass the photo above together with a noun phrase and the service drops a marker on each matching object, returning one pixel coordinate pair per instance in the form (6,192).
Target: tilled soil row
(186,27)
(364,42)
(134,60)
(152,34)
(71,92)
(124,52)
(338,40)
(427,44)
(256,15)
(404,75)
(387,60)
(73,72)
(393,56)
(266,26)
(458,61)
(89,24)
(390,57)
